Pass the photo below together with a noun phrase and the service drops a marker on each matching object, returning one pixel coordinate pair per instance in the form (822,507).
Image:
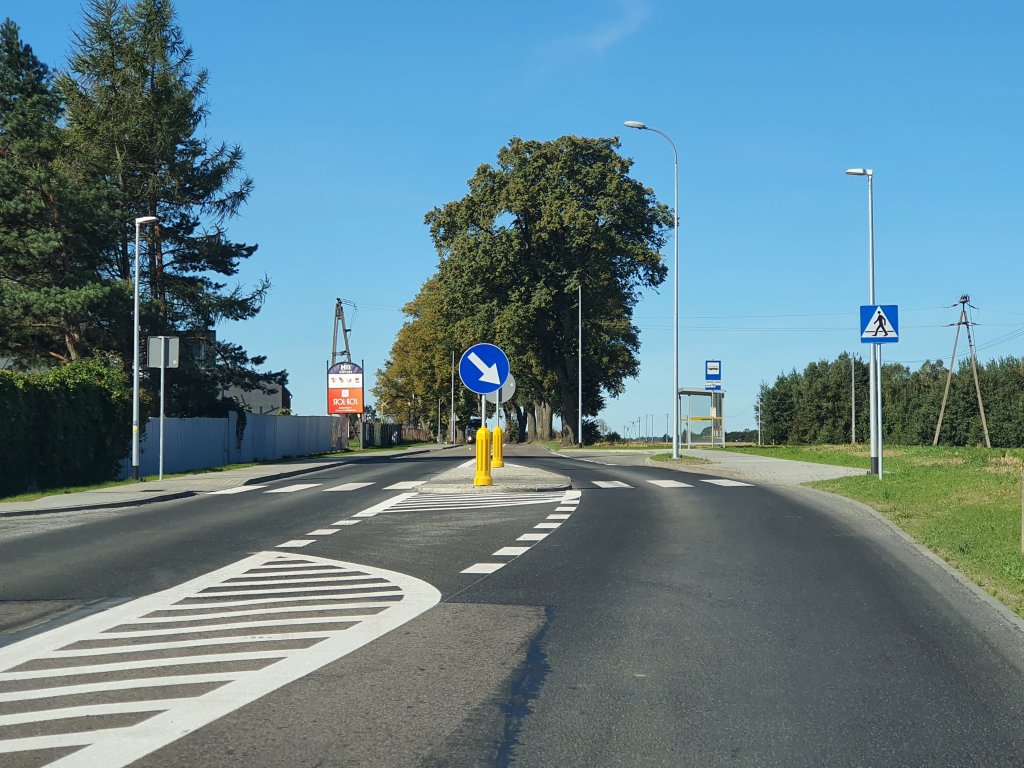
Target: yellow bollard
(483,457)
(497,451)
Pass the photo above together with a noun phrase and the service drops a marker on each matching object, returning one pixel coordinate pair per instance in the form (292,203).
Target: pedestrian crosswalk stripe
(239,489)
(532,537)
(727,483)
(511,551)
(293,488)
(542,526)
(670,484)
(322,532)
(297,543)
(611,484)
(347,487)
(558,517)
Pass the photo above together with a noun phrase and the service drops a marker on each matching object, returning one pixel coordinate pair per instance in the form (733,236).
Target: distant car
(472,427)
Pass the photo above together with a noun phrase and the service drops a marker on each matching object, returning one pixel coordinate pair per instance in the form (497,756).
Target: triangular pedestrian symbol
(879,327)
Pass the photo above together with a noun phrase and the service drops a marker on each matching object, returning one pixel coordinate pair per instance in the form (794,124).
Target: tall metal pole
(163,391)
(579,376)
(135,352)
(877,403)
(451,417)
(853,401)
(675,281)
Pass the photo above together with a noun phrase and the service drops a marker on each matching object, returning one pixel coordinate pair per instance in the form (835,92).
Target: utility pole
(853,401)
(965,322)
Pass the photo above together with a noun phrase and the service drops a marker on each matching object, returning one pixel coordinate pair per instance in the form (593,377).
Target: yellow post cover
(483,457)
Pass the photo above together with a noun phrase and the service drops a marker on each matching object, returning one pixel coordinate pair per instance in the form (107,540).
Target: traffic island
(509,478)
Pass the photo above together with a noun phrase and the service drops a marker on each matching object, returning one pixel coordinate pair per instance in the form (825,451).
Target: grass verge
(964,504)
(681,459)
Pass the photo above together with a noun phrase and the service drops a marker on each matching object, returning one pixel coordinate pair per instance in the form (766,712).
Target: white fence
(191,444)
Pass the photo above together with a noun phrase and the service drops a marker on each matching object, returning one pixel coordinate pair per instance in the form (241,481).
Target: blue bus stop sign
(483,368)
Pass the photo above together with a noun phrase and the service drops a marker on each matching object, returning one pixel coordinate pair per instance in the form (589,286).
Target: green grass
(964,504)
(631,446)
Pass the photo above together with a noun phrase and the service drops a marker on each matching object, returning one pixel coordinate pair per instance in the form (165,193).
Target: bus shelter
(715,416)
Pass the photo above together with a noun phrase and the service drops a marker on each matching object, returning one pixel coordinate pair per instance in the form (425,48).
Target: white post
(579,376)
(163,390)
(139,221)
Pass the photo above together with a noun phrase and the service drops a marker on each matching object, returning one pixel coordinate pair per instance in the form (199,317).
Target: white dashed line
(669,484)
(346,522)
(532,537)
(483,568)
(565,509)
(239,489)
(297,543)
(322,532)
(347,487)
(559,517)
(728,483)
(611,484)
(542,526)
(293,488)
(511,551)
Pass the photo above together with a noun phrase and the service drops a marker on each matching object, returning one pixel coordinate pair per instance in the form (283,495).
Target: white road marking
(669,484)
(511,551)
(220,690)
(347,487)
(558,517)
(297,543)
(346,522)
(385,505)
(293,488)
(483,568)
(611,484)
(532,537)
(565,509)
(239,489)
(405,485)
(542,526)
(727,483)
(569,495)
(322,532)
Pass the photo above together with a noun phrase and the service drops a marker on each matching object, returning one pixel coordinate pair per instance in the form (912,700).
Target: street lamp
(874,360)
(139,222)
(675,283)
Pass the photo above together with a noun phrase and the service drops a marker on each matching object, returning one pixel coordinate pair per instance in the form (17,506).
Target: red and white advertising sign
(344,389)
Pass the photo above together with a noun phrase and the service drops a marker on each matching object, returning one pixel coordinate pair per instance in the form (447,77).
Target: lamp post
(874,361)
(139,222)
(675,283)
(579,372)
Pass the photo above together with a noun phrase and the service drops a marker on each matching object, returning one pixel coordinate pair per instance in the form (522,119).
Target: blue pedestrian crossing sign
(483,368)
(879,323)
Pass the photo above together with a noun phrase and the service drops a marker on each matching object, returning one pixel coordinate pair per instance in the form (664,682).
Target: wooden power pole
(963,322)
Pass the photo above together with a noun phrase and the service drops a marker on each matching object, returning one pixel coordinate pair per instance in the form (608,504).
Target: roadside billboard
(344,389)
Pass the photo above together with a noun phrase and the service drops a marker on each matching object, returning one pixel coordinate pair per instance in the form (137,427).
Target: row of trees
(814,406)
(84,151)
(550,221)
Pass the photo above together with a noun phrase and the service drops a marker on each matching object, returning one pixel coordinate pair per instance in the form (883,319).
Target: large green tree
(551,219)
(54,306)
(136,105)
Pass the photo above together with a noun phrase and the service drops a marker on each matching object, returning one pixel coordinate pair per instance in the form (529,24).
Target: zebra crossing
(428,499)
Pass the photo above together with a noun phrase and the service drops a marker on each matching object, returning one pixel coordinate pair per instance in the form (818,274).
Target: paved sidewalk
(133,494)
(761,469)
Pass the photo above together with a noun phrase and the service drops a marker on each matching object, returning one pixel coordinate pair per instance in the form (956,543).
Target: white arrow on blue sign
(483,368)
(879,323)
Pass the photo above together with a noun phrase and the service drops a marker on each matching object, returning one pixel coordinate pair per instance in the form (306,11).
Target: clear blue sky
(358,118)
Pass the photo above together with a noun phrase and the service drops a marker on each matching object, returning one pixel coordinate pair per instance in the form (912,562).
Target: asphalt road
(653,619)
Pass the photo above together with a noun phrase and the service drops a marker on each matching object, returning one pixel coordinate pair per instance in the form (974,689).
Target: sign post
(162,353)
(879,324)
(345,392)
(483,369)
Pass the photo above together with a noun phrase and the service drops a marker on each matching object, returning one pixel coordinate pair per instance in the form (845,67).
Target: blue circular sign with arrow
(483,368)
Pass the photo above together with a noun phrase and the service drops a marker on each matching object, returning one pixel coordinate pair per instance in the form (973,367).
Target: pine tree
(135,108)
(53,305)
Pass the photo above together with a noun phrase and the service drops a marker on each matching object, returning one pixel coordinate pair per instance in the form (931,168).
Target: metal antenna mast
(964,321)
